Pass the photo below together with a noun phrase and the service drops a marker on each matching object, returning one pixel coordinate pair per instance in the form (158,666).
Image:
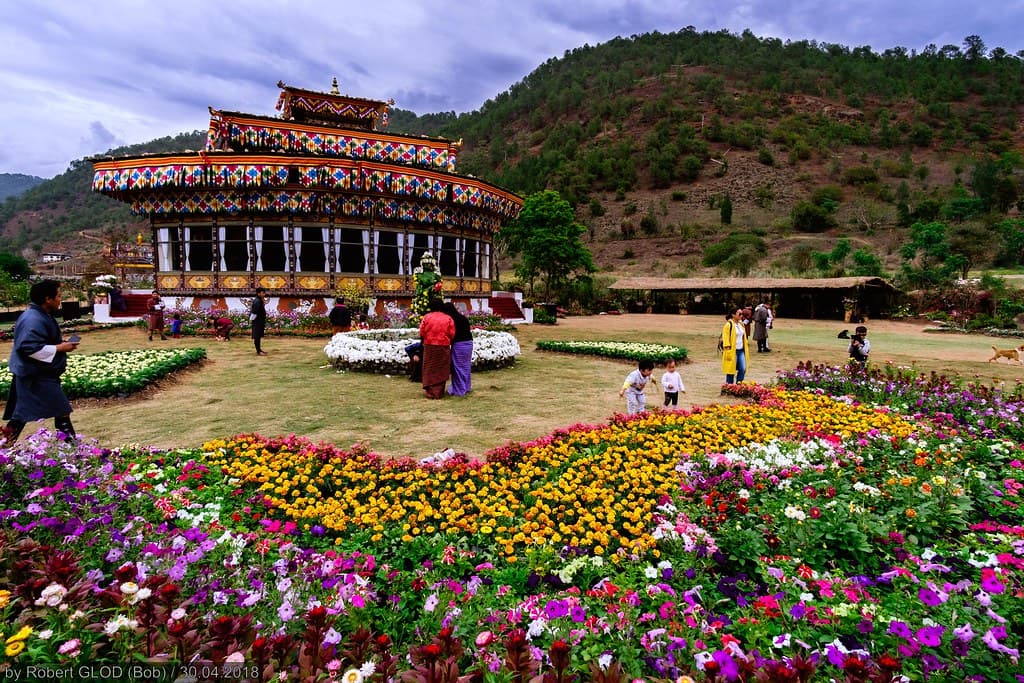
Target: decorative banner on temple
(267,137)
(315,105)
(467,194)
(376,180)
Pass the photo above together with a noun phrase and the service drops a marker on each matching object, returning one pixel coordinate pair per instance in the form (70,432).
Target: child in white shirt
(634,386)
(672,384)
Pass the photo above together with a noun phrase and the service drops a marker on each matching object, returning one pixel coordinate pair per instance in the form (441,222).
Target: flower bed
(804,537)
(115,373)
(658,353)
(383,351)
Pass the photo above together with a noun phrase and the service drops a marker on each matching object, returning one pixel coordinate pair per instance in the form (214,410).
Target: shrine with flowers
(317,199)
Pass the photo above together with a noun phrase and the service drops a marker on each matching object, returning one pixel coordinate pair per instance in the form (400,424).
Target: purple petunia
(930,636)
(555,609)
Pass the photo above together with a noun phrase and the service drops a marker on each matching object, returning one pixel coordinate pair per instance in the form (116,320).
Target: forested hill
(12,184)
(647,136)
(53,212)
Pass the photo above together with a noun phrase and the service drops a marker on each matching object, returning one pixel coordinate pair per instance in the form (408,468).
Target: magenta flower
(990,582)
(928,596)
(556,608)
(930,636)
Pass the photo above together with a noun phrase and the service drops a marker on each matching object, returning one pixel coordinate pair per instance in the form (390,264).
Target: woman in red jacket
(437,330)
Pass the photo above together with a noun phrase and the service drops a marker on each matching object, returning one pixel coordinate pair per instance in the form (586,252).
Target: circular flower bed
(383,351)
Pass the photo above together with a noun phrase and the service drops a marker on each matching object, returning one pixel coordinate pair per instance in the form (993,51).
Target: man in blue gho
(38,359)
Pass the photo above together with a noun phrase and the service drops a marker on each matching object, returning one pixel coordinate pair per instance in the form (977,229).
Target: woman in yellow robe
(734,348)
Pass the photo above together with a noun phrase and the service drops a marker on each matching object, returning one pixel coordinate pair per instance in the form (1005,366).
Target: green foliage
(718,254)
(928,260)
(547,237)
(725,209)
(658,353)
(596,208)
(865,263)
(808,217)
(15,267)
(66,204)
(649,222)
(832,262)
(1011,234)
(860,175)
(827,196)
(765,157)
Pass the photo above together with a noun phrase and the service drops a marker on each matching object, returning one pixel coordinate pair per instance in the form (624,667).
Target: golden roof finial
(334,86)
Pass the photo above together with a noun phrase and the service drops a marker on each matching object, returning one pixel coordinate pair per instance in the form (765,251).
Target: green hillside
(677,148)
(13,184)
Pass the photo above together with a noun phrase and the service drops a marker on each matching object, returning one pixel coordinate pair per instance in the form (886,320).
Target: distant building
(53,257)
(309,202)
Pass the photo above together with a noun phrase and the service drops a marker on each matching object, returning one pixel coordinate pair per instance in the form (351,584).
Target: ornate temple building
(316,200)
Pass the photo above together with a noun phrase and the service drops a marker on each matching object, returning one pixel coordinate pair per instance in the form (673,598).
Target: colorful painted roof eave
(242,117)
(339,97)
(201,164)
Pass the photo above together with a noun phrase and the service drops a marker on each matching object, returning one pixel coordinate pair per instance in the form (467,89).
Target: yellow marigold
(15,648)
(21,635)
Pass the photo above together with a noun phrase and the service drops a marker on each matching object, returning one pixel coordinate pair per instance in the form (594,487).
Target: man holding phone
(38,359)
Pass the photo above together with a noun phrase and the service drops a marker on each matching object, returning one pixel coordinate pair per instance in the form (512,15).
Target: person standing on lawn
(155,307)
(258,319)
(340,317)
(734,347)
(437,330)
(462,352)
(39,357)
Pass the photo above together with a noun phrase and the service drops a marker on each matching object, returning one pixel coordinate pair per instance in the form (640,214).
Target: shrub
(808,217)
(765,157)
(596,208)
(827,193)
(678,196)
(860,175)
(717,254)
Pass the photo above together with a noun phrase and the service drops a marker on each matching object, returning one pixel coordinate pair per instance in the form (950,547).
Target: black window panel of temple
(273,251)
(469,259)
(387,253)
(236,248)
(200,251)
(351,258)
(312,257)
(420,245)
(449,260)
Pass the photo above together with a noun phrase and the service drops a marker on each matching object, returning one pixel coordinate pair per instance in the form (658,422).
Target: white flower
(52,595)
(794,512)
(352,676)
(650,572)
(604,661)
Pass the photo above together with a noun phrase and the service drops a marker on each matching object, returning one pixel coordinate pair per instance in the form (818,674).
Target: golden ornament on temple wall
(310,282)
(389,284)
(198,282)
(273,281)
(449,285)
(168,282)
(471,285)
(485,286)
(234,281)
(357,282)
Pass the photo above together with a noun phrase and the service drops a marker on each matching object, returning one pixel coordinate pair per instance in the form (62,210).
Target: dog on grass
(1011,355)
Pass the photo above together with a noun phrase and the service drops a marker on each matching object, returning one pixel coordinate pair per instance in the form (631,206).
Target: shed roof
(747,284)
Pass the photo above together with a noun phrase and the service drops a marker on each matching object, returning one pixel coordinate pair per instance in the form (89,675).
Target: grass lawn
(294,389)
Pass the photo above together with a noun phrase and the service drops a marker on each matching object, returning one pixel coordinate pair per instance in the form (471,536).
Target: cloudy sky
(82,76)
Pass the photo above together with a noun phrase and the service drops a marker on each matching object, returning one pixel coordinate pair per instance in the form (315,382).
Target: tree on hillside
(16,267)
(547,238)
(928,259)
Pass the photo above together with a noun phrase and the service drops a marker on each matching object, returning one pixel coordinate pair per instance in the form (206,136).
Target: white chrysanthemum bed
(383,351)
